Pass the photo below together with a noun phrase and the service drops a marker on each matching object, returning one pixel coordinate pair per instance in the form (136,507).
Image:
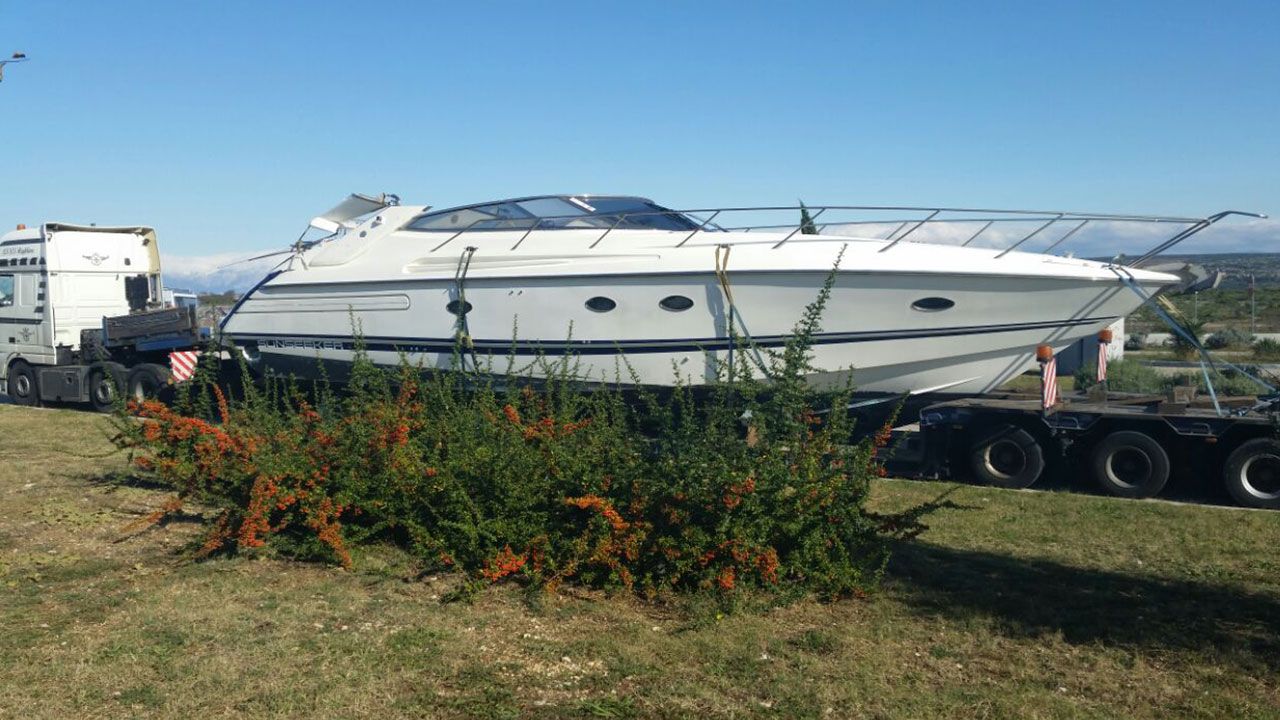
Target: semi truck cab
(75,302)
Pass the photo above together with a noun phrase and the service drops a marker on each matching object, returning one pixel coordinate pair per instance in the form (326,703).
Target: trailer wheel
(1007,457)
(147,380)
(1130,464)
(106,381)
(24,385)
(1252,474)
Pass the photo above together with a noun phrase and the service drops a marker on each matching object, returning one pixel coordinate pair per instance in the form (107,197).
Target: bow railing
(971,224)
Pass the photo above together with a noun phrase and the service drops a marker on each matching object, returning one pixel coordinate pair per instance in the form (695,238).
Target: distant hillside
(1265,267)
(222,298)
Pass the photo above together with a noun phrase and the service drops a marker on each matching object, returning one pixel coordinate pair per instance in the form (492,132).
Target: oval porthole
(933,304)
(675,303)
(452,307)
(601,304)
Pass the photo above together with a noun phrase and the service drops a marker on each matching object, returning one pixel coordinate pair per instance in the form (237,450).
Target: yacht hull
(898,332)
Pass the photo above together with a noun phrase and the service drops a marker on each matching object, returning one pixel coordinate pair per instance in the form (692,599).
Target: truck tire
(23,387)
(106,381)
(1006,456)
(147,381)
(1252,474)
(1130,464)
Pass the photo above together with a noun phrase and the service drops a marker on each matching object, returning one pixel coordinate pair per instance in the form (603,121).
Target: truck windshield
(557,212)
(6,290)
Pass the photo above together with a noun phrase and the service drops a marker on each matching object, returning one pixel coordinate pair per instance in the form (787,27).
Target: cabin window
(933,304)
(557,212)
(675,303)
(454,305)
(6,290)
(601,304)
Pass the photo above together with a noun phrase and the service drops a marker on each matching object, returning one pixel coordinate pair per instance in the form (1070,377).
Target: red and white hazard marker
(182,364)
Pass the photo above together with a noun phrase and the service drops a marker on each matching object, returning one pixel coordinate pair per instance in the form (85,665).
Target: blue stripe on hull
(268,341)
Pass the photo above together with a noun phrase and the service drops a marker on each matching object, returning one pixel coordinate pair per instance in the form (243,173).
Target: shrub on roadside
(1135,377)
(1228,338)
(540,482)
(1266,349)
(1183,347)
(1122,376)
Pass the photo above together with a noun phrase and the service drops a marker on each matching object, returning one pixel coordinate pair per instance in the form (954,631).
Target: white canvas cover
(341,215)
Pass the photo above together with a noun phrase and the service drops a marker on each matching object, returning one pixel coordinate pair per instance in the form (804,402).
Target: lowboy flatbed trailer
(1129,444)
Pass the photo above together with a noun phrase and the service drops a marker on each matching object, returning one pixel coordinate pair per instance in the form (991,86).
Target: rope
(462,331)
(1128,281)
(1206,360)
(1181,317)
(722,275)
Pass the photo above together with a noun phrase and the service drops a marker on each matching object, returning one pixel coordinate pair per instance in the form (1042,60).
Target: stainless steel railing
(1047,222)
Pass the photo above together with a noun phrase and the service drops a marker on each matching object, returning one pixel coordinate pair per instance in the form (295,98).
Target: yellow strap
(722,271)
(1173,310)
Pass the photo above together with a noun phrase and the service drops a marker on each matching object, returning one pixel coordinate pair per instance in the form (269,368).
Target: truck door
(10,323)
(22,326)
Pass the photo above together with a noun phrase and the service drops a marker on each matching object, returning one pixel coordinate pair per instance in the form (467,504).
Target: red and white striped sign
(1049,383)
(1102,362)
(182,364)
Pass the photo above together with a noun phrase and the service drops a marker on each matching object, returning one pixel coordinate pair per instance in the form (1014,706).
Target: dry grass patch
(1020,604)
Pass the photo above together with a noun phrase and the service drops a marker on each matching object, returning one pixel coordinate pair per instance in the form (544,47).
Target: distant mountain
(216,273)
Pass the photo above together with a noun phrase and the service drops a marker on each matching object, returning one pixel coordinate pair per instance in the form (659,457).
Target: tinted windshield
(557,213)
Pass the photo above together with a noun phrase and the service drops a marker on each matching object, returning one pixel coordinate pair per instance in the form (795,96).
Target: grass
(1029,382)
(1028,604)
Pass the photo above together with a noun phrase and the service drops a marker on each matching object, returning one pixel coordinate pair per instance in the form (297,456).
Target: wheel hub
(1260,476)
(1005,458)
(1129,466)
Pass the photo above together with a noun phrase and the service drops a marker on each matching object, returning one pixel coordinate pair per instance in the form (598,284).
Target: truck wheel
(1007,457)
(1130,464)
(1252,474)
(106,381)
(24,386)
(146,381)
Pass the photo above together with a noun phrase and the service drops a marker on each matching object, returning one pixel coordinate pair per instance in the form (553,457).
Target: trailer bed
(1131,444)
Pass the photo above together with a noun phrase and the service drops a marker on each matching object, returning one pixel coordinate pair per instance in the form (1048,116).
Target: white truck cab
(62,287)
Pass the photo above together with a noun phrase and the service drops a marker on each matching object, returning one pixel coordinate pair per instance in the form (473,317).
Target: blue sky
(227,125)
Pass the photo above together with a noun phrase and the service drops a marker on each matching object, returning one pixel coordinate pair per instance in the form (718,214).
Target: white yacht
(640,293)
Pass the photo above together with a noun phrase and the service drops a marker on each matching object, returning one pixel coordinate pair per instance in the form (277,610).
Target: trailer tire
(106,381)
(1252,474)
(1130,464)
(1008,457)
(23,387)
(147,381)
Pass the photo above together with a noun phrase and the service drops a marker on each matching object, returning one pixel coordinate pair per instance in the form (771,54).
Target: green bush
(539,482)
(1123,376)
(1135,377)
(1228,338)
(1225,382)
(1266,349)
(1183,348)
